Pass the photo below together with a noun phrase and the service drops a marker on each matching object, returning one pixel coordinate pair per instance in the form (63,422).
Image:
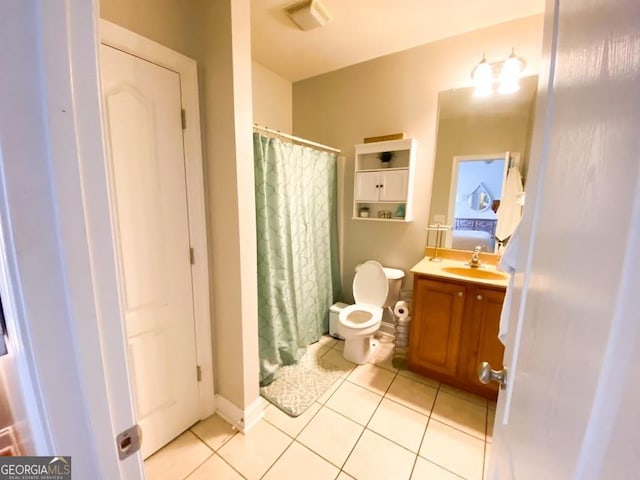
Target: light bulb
(510,75)
(482,77)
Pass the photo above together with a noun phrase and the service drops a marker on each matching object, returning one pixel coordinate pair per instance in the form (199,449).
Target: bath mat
(298,386)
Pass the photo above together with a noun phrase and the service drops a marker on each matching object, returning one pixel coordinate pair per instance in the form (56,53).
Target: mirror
(479,200)
(477,140)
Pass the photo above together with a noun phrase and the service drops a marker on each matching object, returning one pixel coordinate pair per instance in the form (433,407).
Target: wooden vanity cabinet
(454,327)
(436,325)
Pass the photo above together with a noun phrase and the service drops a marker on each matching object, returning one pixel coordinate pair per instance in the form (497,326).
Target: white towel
(510,210)
(508,264)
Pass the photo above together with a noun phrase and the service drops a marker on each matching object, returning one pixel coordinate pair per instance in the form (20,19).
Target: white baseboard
(253,414)
(242,420)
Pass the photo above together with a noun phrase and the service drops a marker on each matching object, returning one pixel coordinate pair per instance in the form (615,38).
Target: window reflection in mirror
(478,127)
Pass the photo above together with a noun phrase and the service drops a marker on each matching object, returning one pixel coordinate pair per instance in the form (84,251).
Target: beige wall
(272,99)
(203,31)
(226,52)
(395,93)
(168,22)
(473,136)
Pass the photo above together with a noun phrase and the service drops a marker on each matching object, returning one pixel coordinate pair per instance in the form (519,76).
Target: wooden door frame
(139,46)
(58,261)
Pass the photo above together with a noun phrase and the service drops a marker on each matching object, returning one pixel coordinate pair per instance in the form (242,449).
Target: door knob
(486,374)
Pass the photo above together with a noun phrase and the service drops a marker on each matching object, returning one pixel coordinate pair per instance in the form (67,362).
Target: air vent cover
(308,14)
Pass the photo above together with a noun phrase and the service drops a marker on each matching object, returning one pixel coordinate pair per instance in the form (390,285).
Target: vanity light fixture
(506,74)
(482,77)
(510,74)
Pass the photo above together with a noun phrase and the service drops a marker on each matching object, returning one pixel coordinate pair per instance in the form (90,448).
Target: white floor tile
(292,426)
(372,378)
(376,458)
(322,399)
(178,459)
(344,476)
(253,453)
(318,349)
(419,378)
(491,416)
(454,450)
(460,413)
(383,357)
(412,394)
(487,458)
(214,431)
(465,395)
(331,435)
(216,468)
(354,402)
(299,462)
(426,470)
(336,358)
(399,424)
(327,340)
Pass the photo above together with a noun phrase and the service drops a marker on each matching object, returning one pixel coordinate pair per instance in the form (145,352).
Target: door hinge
(199,373)
(192,258)
(183,116)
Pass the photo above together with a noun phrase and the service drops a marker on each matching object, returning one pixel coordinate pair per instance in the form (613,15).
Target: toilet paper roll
(401,309)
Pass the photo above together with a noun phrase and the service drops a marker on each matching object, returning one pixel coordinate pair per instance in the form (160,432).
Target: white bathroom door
(142,109)
(574,316)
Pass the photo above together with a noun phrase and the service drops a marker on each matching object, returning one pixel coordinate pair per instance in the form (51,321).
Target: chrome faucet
(475,258)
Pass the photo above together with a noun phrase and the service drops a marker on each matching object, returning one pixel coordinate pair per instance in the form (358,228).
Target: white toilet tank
(394,277)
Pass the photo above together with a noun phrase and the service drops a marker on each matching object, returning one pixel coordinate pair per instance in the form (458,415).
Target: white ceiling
(366,29)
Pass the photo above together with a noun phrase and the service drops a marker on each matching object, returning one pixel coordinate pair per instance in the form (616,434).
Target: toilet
(374,288)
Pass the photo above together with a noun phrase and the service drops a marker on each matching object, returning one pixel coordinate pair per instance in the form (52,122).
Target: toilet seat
(359,322)
(370,284)
(360,317)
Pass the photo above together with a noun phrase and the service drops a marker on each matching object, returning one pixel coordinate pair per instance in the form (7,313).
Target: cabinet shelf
(382,188)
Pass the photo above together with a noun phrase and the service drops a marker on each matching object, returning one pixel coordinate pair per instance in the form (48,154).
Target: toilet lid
(370,285)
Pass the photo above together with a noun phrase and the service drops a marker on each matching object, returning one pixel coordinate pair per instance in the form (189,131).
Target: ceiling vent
(308,15)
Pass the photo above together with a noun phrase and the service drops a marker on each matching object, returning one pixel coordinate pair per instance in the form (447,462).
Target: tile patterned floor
(375,422)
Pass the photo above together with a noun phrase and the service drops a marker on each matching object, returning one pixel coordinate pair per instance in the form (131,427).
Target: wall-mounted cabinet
(385,194)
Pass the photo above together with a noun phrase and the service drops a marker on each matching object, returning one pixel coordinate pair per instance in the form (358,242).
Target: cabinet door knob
(479,297)
(461,294)
(486,374)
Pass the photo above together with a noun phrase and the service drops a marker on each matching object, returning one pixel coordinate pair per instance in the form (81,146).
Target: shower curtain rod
(295,139)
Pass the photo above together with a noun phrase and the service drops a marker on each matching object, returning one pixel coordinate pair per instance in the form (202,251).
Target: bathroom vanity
(454,322)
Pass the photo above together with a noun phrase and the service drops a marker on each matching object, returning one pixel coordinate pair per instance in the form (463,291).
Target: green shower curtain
(298,278)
